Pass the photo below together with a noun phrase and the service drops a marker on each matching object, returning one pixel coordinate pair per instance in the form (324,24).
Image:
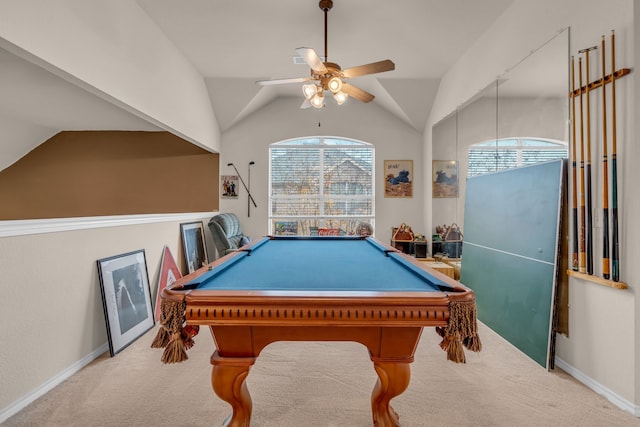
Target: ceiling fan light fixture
(340,97)
(335,84)
(309,90)
(329,76)
(318,100)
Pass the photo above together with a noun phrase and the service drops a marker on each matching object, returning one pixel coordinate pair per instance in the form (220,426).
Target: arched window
(321,185)
(508,153)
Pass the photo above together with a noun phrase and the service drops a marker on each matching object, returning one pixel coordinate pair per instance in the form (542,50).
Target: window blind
(321,183)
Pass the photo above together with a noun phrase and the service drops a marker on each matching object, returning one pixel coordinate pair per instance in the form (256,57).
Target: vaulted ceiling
(234,43)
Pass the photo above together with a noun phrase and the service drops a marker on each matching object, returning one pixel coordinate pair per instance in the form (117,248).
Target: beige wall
(51,310)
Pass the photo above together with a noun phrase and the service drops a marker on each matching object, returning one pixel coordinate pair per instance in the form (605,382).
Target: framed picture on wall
(398,177)
(193,245)
(126,298)
(445,178)
(229,185)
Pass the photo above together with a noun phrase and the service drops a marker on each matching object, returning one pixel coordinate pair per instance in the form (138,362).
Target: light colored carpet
(323,384)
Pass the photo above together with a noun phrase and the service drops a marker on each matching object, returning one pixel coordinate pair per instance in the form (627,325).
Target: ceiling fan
(328,76)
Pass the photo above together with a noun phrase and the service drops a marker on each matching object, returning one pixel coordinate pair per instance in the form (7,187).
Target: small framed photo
(445,178)
(126,298)
(398,177)
(193,245)
(229,185)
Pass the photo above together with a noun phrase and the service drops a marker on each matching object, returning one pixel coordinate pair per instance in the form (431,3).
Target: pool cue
(589,220)
(243,184)
(605,175)
(615,256)
(574,201)
(249,185)
(582,257)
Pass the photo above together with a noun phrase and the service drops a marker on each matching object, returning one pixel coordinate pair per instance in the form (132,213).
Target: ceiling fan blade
(312,58)
(282,81)
(306,104)
(357,93)
(374,67)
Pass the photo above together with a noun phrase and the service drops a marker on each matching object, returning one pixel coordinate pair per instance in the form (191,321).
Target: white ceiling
(235,43)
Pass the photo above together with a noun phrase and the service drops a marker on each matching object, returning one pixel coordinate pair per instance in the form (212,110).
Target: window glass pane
(295,206)
(530,157)
(321,186)
(492,156)
(346,206)
(483,144)
(507,142)
(498,143)
(347,171)
(294,171)
(485,161)
(308,141)
(333,141)
(540,143)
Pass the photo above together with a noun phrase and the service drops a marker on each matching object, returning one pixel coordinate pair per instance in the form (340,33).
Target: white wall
(393,139)
(602,347)
(476,123)
(114,50)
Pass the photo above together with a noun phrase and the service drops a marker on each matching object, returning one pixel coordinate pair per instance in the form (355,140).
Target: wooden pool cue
(615,256)
(589,199)
(574,201)
(582,266)
(605,174)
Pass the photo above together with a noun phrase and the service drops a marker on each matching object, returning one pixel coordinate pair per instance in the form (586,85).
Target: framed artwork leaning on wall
(126,298)
(193,245)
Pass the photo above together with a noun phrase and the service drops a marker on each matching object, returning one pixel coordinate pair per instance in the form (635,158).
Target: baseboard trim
(613,397)
(50,384)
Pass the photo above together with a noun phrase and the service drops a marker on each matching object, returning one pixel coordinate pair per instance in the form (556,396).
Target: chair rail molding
(54,225)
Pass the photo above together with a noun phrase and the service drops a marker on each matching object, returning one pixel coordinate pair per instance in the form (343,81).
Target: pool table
(281,288)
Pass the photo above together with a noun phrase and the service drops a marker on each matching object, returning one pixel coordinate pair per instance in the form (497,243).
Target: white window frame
(327,220)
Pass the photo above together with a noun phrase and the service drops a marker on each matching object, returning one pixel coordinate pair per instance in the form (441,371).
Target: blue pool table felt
(319,264)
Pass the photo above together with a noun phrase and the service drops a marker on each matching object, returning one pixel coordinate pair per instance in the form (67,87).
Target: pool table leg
(393,379)
(228,380)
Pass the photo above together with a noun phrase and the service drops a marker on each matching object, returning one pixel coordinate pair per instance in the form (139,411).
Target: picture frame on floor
(169,273)
(194,247)
(126,298)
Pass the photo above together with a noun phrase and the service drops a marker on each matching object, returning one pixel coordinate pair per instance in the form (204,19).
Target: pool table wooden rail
(313,308)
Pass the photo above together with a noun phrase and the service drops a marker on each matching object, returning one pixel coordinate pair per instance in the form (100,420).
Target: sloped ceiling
(234,43)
